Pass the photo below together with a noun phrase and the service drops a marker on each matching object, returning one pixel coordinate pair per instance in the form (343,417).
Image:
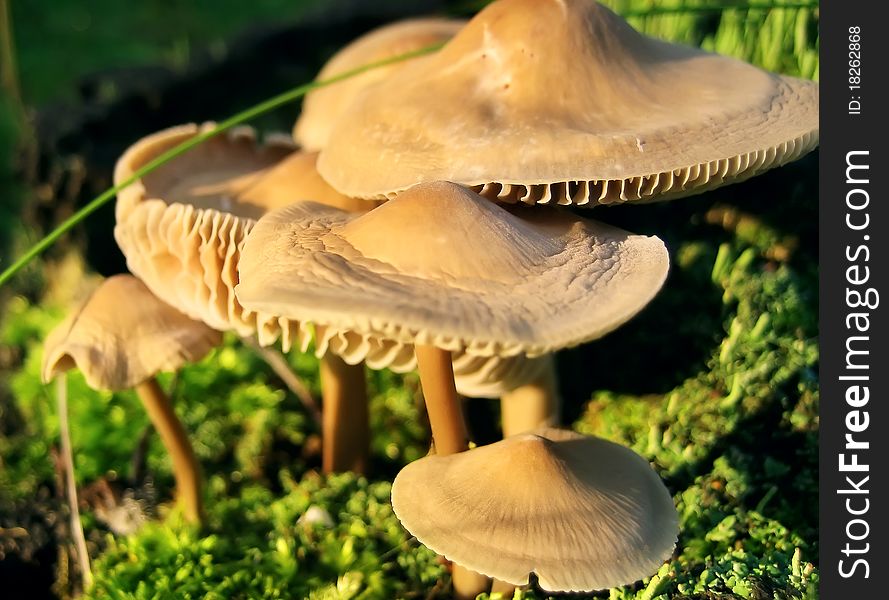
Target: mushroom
(561,101)
(182,227)
(580,512)
(446,271)
(120,338)
(323,107)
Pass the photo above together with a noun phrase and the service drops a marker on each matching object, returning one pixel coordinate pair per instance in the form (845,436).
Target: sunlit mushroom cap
(182,226)
(323,107)
(441,265)
(562,101)
(122,335)
(580,512)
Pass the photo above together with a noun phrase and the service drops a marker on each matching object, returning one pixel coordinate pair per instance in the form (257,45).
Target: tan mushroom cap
(322,107)
(561,101)
(122,335)
(442,266)
(182,226)
(580,512)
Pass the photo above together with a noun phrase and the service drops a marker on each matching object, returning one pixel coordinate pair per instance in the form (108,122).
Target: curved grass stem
(83,555)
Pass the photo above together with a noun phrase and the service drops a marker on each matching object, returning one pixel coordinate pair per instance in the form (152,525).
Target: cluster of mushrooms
(419,221)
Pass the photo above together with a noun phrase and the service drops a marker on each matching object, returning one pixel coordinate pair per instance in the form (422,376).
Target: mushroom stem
(449,434)
(185,465)
(506,590)
(533,405)
(467,583)
(345,429)
(443,405)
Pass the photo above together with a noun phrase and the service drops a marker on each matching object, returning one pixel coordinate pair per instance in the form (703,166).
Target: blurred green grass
(734,431)
(60,43)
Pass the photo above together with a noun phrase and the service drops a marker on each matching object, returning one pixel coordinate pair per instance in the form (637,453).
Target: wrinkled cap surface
(441,265)
(580,512)
(122,335)
(561,101)
(322,107)
(182,226)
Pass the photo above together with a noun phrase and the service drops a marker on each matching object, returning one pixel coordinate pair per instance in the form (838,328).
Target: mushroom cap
(441,265)
(562,101)
(580,512)
(122,335)
(182,226)
(322,107)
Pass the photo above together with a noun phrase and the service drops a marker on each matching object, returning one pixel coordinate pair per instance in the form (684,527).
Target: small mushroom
(182,227)
(323,107)
(120,338)
(580,512)
(561,101)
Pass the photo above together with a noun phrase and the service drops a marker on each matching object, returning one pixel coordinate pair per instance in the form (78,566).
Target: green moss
(259,545)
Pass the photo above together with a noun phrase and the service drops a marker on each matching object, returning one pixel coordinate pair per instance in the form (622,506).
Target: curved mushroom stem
(443,405)
(533,405)
(345,429)
(450,436)
(185,465)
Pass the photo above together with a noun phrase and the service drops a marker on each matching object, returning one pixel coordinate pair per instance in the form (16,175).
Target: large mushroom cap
(182,226)
(562,101)
(322,107)
(440,265)
(122,335)
(580,512)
